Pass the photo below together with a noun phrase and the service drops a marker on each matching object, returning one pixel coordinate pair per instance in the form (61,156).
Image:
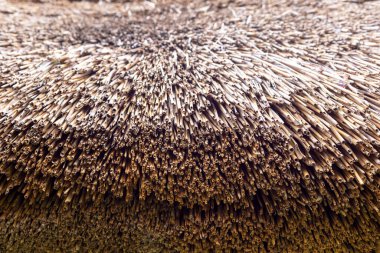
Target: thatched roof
(189,126)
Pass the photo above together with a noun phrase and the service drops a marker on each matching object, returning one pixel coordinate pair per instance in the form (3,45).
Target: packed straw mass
(201,126)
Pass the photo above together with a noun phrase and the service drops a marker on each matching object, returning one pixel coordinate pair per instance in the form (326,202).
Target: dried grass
(195,126)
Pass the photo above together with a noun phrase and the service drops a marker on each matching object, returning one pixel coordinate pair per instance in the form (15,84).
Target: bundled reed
(190,127)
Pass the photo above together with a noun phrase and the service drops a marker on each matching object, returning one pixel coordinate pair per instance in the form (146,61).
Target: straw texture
(169,126)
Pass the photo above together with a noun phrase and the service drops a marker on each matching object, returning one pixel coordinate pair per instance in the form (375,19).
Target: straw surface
(190,126)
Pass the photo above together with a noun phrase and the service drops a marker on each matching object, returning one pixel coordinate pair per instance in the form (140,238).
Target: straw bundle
(190,127)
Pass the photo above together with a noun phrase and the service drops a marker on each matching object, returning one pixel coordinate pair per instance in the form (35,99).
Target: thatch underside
(173,127)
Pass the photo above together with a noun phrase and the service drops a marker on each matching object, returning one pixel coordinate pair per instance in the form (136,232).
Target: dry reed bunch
(198,126)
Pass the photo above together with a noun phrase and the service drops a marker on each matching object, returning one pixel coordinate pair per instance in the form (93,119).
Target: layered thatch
(176,127)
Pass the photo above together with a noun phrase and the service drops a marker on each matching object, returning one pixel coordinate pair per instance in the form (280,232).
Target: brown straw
(169,126)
